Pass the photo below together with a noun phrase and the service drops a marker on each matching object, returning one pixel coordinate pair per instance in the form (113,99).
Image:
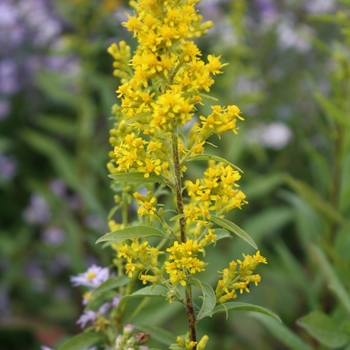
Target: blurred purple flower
(8,167)
(36,276)
(37,212)
(115,302)
(53,236)
(266,8)
(95,222)
(103,309)
(43,347)
(86,317)
(58,187)
(9,83)
(320,6)
(93,277)
(59,263)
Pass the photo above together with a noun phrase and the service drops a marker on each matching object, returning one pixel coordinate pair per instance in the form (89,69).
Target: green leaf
(324,330)
(80,341)
(140,231)
(216,158)
(230,226)
(315,200)
(334,283)
(221,233)
(151,292)
(332,110)
(208,296)
(237,306)
(111,283)
(282,333)
(136,177)
(158,334)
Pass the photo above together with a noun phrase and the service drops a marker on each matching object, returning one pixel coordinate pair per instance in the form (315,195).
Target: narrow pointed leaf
(218,159)
(136,177)
(221,233)
(140,231)
(159,334)
(283,333)
(230,226)
(208,296)
(324,330)
(80,341)
(237,306)
(111,283)
(150,292)
(334,283)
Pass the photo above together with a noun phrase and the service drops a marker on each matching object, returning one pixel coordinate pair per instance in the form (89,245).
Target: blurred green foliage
(289,72)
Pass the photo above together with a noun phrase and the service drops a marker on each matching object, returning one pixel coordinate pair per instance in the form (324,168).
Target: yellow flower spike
(202,343)
(148,278)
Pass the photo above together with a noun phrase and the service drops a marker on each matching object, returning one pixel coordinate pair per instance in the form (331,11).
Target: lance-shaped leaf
(111,283)
(283,333)
(140,231)
(237,306)
(81,341)
(136,177)
(208,296)
(216,158)
(230,226)
(159,334)
(150,292)
(335,284)
(324,330)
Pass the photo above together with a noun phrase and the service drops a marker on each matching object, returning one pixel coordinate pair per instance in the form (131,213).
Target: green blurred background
(289,72)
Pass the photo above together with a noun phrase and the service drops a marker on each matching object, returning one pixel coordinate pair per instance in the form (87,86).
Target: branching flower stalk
(157,134)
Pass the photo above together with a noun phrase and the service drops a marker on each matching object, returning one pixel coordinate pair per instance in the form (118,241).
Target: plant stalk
(180,210)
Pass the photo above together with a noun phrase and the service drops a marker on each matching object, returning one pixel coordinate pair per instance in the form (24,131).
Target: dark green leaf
(80,341)
(237,306)
(111,283)
(334,283)
(282,333)
(158,334)
(208,296)
(151,292)
(221,233)
(140,231)
(324,330)
(230,226)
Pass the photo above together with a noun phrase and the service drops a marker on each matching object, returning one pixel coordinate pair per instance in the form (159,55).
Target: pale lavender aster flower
(103,309)
(115,301)
(86,317)
(93,277)
(43,347)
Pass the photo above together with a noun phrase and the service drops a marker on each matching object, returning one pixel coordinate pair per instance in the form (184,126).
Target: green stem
(180,210)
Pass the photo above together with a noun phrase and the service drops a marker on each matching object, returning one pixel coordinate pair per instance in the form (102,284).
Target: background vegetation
(289,72)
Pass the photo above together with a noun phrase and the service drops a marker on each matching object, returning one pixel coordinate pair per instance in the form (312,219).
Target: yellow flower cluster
(233,280)
(183,261)
(140,256)
(161,86)
(217,192)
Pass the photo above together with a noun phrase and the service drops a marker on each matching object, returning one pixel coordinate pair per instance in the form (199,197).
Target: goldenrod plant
(167,218)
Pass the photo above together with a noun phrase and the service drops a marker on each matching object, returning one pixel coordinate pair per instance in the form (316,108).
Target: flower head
(93,277)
